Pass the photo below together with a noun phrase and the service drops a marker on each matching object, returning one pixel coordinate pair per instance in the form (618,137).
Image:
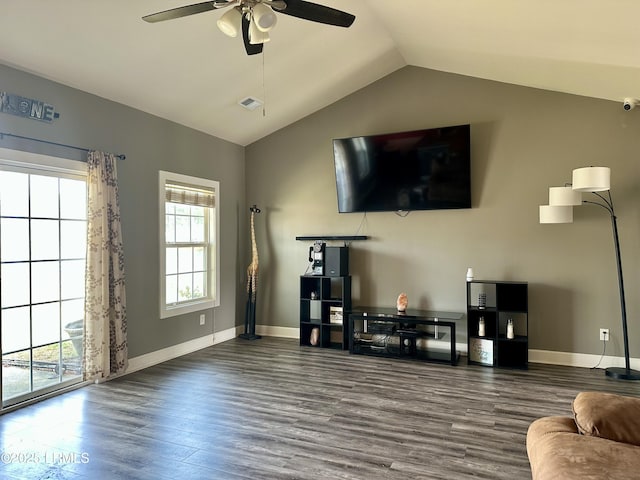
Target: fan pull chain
(264,92)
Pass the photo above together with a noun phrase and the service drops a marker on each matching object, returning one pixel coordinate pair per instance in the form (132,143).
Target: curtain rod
(4,134)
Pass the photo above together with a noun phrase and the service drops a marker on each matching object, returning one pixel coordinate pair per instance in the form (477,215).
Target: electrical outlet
(202,319)
(604,334)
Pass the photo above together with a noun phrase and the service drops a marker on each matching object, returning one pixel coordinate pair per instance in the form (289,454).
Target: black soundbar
(333,237)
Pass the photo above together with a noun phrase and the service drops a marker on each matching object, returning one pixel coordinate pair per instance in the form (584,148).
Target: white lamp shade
(257,36)
(591,179)
(264,18)
(564,196)
(556,214)
(230,22)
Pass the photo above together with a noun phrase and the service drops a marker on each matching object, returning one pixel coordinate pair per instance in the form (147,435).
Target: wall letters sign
(27,107)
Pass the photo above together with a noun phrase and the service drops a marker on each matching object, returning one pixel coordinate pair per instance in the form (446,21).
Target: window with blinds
(189,243)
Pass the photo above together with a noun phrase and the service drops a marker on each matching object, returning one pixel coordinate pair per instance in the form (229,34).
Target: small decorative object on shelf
(510,335)
(315,336)
(402,302)
(481,327)
(314,295)
(335,315)
(469,274)
(482,300)
(481,351)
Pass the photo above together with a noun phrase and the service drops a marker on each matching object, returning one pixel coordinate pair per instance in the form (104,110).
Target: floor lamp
(560,210)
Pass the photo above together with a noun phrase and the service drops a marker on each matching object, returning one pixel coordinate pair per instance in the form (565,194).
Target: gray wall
(150,144)
(523,141)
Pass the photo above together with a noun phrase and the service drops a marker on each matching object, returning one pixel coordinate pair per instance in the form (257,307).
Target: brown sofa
(601,441)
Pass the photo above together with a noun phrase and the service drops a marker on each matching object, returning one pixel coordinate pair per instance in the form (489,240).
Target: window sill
(174,311)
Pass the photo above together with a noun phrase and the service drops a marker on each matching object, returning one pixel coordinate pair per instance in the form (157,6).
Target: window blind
(196,197)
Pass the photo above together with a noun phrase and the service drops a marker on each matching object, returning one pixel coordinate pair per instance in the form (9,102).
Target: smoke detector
(250,103)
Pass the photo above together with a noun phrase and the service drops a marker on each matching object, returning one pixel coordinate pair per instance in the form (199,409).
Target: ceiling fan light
(264,18)
(229,23)
(257,36)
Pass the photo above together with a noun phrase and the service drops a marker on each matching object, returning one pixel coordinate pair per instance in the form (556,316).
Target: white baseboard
(535,356)
(284,332)
(579,359)
(159,356)
(226,335)
(445,345)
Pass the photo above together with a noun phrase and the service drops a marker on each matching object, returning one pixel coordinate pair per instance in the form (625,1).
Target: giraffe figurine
(252,284)
(252,269)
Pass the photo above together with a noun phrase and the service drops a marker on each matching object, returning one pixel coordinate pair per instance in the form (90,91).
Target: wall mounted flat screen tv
(419,170)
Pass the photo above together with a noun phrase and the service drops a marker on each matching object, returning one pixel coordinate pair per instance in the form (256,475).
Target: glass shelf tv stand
(415,334)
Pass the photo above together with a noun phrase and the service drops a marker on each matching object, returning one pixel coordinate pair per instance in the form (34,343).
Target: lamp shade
(591,179)
(564,196)
(264,18)
(230,22)
(556,214)
(257,36)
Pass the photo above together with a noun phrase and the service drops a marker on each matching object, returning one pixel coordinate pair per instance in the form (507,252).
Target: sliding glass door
(42,263)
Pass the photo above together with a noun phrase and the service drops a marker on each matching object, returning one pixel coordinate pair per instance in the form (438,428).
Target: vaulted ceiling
(187,71)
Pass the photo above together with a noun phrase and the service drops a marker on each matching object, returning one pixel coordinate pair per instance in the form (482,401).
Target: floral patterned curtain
(105,344)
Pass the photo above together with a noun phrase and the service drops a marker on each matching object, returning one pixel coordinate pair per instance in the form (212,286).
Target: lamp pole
(625,373)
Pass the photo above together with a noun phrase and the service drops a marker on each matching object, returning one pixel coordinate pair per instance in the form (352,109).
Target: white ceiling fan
(257,17)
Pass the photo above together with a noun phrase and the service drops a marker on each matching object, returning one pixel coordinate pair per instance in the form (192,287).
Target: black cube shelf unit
(497,303)
(325,303)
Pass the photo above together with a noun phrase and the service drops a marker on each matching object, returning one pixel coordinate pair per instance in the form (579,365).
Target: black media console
(414,334)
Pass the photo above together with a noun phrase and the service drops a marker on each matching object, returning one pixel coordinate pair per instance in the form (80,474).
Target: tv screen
(419,170)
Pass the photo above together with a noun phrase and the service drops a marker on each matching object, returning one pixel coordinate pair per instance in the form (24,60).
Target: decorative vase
(510,334)
(481,327)
(482,300)
(315,336)
(469,274)
(402,302)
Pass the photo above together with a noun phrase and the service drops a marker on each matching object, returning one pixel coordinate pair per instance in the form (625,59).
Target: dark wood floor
(269,409)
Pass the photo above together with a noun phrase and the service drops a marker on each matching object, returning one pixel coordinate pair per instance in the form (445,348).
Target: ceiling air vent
(250,103)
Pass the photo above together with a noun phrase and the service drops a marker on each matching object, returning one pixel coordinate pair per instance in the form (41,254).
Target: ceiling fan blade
(186,11)
(277,4)
(316,13)
(252,49)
